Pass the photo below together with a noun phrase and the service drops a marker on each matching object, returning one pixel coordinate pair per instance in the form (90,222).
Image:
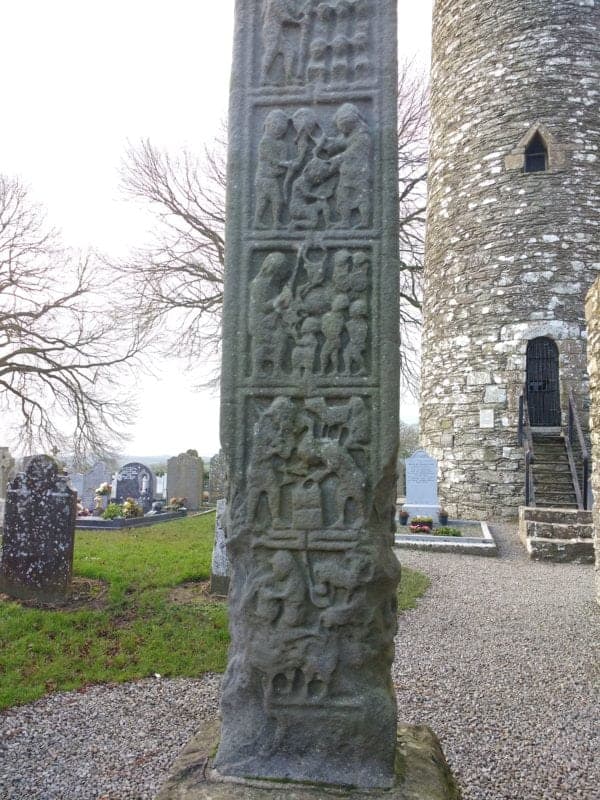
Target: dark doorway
(543,387)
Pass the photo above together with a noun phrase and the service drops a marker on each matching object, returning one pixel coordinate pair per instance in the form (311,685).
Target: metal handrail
(526,441)
(574,427)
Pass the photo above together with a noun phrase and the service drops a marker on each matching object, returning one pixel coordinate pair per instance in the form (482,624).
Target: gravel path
(501,659)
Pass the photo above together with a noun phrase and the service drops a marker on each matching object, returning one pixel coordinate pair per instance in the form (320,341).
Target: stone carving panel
(323,43)
(314,170)
(309,313)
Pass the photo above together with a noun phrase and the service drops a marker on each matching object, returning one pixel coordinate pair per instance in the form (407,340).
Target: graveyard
(320,597)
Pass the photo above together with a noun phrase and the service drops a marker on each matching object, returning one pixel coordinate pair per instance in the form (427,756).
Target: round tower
(513,235)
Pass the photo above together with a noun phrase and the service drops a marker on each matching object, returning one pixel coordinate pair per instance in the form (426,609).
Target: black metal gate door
(543,388)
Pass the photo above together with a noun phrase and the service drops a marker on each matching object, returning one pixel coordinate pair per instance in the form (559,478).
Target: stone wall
(593,318)
(510,255)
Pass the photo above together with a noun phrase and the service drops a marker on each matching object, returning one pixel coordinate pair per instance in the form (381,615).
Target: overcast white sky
(80,79)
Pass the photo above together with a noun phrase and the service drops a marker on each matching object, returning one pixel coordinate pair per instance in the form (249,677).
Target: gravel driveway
(501,659)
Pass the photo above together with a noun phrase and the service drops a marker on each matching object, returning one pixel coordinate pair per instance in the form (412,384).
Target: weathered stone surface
(221,568)
(310,393)
(217,478)
(557,534)
(592,310)
(509,255)
(136,481)
(39,533)
(421,773)
(185,478)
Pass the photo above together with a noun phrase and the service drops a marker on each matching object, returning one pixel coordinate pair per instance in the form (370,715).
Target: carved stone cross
(310,393)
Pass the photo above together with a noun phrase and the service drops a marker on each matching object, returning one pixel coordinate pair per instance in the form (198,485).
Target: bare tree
(177,280)
(63,357)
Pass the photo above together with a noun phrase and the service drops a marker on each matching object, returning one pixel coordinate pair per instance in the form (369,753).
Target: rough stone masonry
(310,393)
(510,254)
(592,310)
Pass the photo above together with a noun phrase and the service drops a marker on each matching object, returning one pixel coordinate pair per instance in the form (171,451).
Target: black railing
(575,439)
(526,441)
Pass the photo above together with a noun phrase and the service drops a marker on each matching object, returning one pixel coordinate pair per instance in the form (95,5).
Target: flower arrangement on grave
(112,511)
(132,509)
(81,511)
(103,490)
(177,503)
(421,525)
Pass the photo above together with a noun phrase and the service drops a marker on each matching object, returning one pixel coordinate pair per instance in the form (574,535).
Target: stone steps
(552,480)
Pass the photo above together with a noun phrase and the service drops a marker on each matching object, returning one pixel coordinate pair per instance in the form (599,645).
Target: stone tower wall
(593,317)
(510,255)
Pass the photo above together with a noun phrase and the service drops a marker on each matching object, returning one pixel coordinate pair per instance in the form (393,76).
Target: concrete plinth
(422,774)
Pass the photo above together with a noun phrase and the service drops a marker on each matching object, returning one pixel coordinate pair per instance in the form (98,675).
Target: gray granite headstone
(185,478)
(221,568)
(310,393)
(39,534)
(421,485)
(135,480)
(217,477)
(86,483)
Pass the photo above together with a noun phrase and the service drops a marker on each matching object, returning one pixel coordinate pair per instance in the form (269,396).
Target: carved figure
(324,17)
(358,331)
(354,148)
(332,326)
(310,195)
(358,427)
(341,270)
(359,275)
(309,136)
(316,69)
(303,354)
(339,62)
(282,594)
(266,308)
(272,168)
(280,19)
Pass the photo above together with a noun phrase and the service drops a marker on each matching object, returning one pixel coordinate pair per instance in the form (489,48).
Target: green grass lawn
(139,631)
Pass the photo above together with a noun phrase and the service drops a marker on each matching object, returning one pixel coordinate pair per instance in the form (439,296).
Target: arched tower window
(536,154)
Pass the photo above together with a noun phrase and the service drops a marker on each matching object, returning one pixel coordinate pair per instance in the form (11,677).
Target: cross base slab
(421,769)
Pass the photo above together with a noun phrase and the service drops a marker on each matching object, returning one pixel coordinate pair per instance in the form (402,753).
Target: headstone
(86,483)
(221,568)
(310,394)
(135,480)
(161,486)
(39,534)
(421,486)
(7,464)
(217,478)
(185,478)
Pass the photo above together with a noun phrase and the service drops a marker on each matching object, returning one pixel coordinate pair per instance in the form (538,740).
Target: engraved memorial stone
(136,481)
(39,533)
(310,393)
(217,477)
(421,485)
(7,464)
(185,478)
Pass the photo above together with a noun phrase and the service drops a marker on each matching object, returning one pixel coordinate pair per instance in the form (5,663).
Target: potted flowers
(421,525)
(443,515)
(403,516)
